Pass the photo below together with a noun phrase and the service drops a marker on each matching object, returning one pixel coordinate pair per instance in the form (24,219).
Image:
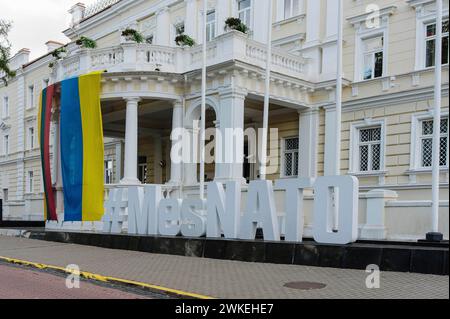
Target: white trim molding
(415,167)
(354,150)
(365,32)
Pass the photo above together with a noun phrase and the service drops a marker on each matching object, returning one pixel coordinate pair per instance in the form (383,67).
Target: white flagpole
(437,123)
(263,164)
(203,107)
(339,90)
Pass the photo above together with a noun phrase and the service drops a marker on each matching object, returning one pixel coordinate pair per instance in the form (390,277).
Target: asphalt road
(23,283)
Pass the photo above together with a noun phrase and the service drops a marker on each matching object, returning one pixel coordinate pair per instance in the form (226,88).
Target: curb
(107,279)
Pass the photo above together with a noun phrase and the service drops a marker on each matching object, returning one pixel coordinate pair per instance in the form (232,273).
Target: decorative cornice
(385,12)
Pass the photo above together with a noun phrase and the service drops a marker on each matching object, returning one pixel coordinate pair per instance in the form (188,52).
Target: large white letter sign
(193,224)
(137,217)
(224,210)
(294,205)
(169,217)
(260,210)
(347,205)
(143,209)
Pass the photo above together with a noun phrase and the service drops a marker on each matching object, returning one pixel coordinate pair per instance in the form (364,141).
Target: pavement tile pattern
(226,279)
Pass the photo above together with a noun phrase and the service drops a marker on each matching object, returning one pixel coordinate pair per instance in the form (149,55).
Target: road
(22,283)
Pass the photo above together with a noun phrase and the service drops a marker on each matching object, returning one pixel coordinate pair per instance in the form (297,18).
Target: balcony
(132,57)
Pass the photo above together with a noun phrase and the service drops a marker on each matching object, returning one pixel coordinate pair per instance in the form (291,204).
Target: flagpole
(339,91)
(263,164)
(338,118)
(203,107)
(434,235)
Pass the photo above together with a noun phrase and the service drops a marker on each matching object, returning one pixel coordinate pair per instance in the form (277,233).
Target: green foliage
(87,43)
(236,24)
(5,52)
(57,53)
(134,35)
(184,39)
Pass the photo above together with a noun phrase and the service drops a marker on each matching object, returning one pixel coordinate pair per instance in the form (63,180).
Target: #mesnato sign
(220,214)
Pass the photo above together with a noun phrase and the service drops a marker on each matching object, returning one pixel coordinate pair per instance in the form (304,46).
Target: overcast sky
(37,21)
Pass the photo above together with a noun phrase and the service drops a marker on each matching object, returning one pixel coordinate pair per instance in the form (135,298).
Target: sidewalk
(224,279)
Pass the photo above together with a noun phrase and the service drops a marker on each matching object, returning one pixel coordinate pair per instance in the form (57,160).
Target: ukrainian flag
(81,138)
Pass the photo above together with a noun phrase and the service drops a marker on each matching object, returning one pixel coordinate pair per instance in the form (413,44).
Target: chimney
(20,58)
(77,12)
(53,45)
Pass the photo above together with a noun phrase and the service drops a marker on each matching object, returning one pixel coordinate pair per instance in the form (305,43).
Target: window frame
(284,152)
(31,93)
(5,108)
(432,38)
(31,137)
(5,146)
(416,148)
(106,169)
(30,181)
(362,55)
(250,13)
(354,148)
(291,14)
(211,25)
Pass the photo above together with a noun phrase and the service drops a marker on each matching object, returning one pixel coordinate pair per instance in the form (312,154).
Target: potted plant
(87,43)
(133,35)
(235,24)
(184,40)
(59,53)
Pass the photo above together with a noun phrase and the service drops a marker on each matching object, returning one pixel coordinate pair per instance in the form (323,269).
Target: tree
(5,52)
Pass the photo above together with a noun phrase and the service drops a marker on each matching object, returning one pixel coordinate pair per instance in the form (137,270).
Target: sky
(37,21)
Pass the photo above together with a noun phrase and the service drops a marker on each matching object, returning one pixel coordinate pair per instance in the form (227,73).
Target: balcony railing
(128,57)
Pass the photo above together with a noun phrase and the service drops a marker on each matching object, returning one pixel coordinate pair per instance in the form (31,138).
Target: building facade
(152,88)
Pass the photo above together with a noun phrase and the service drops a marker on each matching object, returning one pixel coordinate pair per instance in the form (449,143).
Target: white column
(308,141)
(313,18)
(177,123)
(190,24)
(260,20)
(163,27)
(231,116)
(223,12)
(190,169)
(131,142)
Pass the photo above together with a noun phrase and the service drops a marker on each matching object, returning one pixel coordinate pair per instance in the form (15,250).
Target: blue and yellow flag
(81,137)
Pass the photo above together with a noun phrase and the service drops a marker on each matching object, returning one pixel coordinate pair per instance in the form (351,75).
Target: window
(6,144)
(5,194)
(430,44)
(149,39)
(244,11)
(30,182)
(142,169)
(5,107)
(369,149)
(373,55)
(108,172)
(291,8)
(31,138)
(426,143)
(211,25)
(179,28)
(31,96)
(290,157)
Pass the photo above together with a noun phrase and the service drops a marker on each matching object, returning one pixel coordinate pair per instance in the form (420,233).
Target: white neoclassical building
(153,87)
